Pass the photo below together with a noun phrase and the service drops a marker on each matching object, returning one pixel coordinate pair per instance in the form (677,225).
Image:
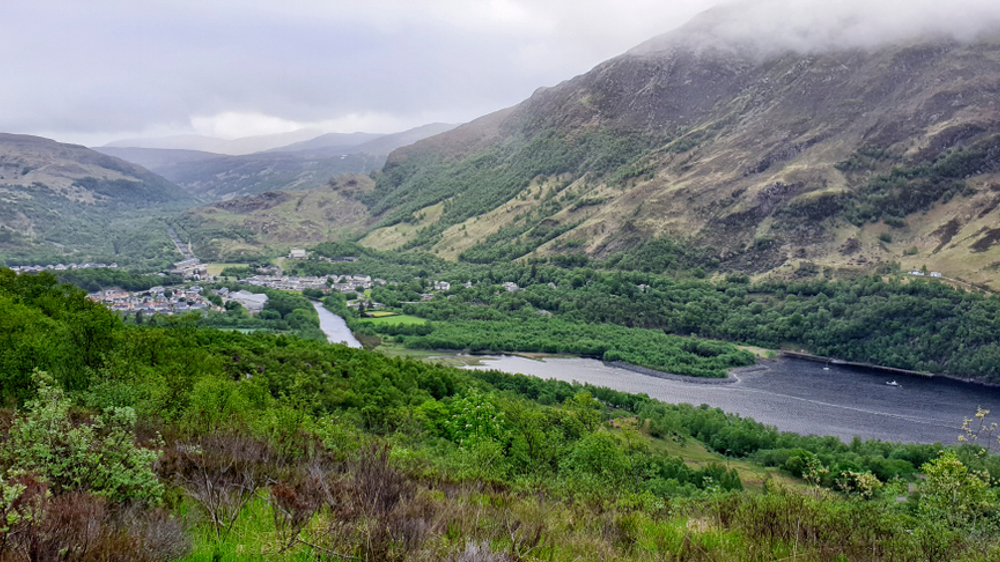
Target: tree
(954,493)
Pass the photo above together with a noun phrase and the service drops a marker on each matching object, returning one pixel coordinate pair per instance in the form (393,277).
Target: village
(60,267)
(157,300)
(179,300)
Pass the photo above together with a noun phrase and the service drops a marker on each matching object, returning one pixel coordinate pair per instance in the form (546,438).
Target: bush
(98,457)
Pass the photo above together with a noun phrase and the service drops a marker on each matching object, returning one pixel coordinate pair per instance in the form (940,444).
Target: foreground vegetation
(164,442)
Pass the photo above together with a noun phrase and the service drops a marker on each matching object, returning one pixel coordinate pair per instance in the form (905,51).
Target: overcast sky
(91,72)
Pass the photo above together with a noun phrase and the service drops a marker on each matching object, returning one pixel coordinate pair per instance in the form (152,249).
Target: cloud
(234,125)
(116,68)
(815,26)
(123,68)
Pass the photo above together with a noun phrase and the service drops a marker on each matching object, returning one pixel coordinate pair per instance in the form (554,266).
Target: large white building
(253,302)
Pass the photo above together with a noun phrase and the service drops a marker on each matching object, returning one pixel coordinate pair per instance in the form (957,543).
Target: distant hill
(232,147)
(226,177)
(366,142)
(64,201)
(272,222)
(307,165)
(842,160)
(341,141)
(154,158)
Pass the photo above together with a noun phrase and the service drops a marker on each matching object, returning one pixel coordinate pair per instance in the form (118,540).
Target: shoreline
(732,376)
(801,356)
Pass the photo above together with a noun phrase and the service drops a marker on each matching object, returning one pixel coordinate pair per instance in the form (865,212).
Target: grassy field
(383,314)
(759,351)
(216,268)
(397,319)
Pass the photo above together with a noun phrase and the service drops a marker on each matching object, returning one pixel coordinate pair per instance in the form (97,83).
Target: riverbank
(853,364)
(730,378)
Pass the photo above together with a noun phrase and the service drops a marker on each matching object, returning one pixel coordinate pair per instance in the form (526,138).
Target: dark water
(799,396)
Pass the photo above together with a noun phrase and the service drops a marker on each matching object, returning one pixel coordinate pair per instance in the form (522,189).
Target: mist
(815,26)
(114,69)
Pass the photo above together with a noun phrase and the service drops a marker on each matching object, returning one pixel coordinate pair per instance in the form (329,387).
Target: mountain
(774,160)
(300,166)
(272,222)
(226,177)
(232,147)
(366,142)
(64,201)
(154,158)
(330,140)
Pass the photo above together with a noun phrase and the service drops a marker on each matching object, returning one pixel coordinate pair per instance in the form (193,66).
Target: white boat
(893,383)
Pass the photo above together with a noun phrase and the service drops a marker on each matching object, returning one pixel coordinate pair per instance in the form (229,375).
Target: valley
(564,330)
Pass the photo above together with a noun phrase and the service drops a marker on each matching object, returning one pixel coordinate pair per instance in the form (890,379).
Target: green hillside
(845,160)
(65,203)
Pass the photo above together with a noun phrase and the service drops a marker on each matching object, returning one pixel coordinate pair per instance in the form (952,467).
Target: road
(188,255)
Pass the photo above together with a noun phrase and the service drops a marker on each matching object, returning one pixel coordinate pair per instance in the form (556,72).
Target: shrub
(98,457)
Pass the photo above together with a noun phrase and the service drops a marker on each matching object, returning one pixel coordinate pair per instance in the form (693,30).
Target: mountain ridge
(301,166)
(230,147)
(66,202)
(718,149)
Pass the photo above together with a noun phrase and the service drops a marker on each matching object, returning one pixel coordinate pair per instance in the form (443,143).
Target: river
(334,327)
(798,396)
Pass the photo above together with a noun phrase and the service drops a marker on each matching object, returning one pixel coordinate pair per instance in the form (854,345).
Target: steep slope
(64,202)
(842,159)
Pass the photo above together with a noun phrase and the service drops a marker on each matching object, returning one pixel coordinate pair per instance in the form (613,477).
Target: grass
(252,537)
(452,359)
(216,268)
(758,351)
(395,319)
(383,314)
(391,237)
